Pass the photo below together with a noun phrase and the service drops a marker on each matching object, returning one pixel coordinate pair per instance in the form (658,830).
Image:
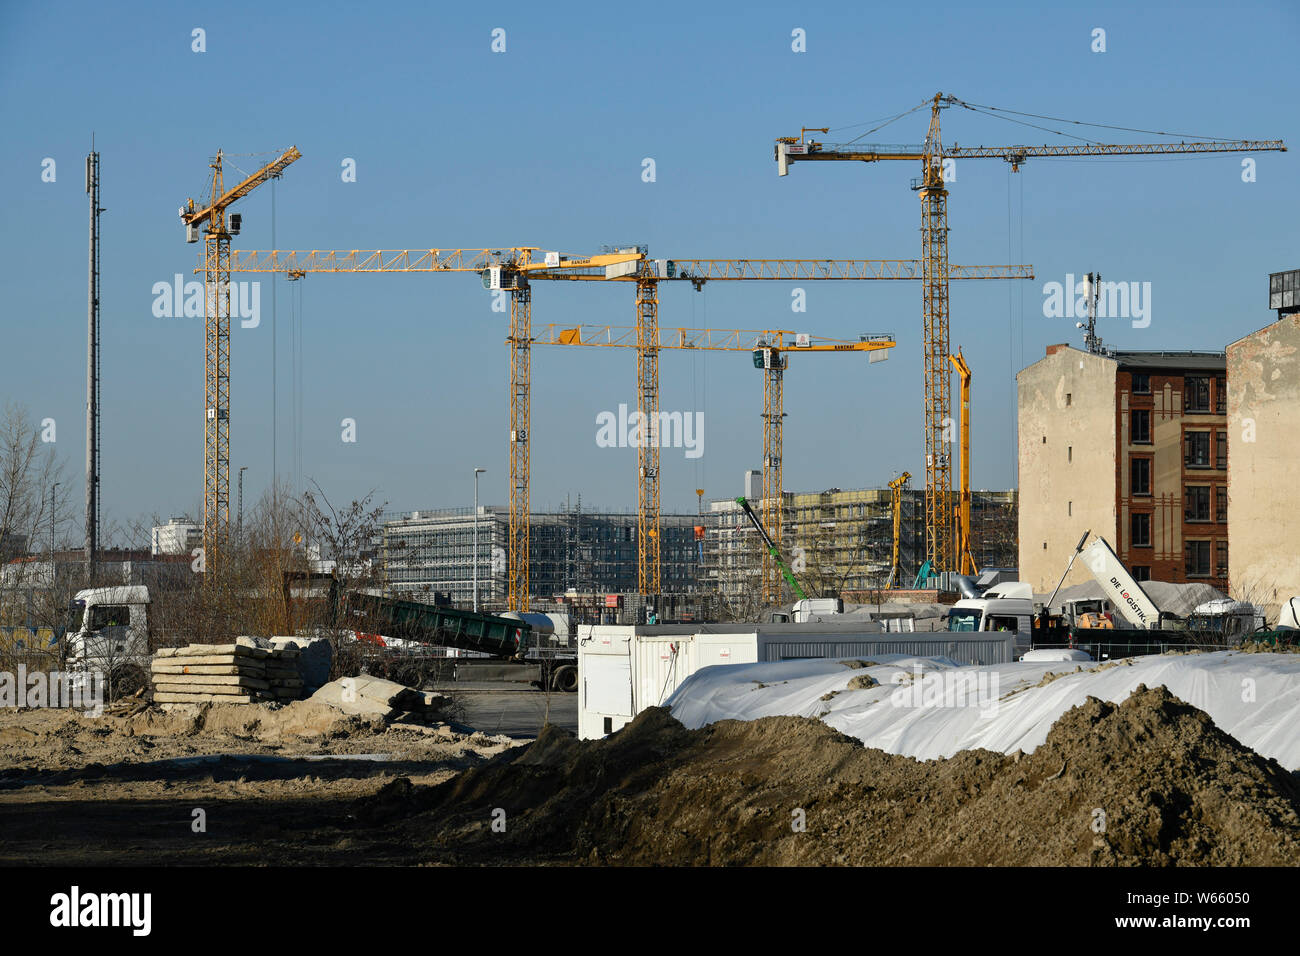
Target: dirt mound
(303,718)
(1150,781)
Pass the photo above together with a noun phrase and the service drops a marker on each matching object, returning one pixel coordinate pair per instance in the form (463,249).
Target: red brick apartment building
(1132,446)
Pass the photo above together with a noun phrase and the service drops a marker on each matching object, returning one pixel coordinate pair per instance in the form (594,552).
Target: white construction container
(624,669)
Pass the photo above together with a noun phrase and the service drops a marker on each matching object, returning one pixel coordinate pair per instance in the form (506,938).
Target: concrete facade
(1263,431)
(1067,460)
(177,536)
(1132,446)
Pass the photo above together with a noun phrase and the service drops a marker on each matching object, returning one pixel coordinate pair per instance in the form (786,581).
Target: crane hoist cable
(1060,119)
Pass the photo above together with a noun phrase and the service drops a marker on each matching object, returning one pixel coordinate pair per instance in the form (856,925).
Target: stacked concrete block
(244,672)
(315,657)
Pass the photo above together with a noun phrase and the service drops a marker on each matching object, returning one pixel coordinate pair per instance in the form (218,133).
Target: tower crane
(503,270)
(930,187)
(513,270)
(770,349)
(896,488)
(966,562)
(650,272)
(216,299)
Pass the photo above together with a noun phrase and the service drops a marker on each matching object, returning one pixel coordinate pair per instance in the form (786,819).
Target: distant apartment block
(1132,446)
(177,536)
(432,552)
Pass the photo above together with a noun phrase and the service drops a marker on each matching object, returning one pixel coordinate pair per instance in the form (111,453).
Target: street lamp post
(477,472)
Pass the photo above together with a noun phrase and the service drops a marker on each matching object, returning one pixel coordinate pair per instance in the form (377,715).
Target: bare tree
(33,596)
(346,537)
(28,471)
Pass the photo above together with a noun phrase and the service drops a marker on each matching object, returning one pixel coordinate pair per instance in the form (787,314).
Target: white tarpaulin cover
(930,707)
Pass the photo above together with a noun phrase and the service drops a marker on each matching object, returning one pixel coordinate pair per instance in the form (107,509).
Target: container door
(607,684)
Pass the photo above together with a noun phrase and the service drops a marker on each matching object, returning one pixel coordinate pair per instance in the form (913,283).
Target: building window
(1142,426)
(1069,453)
(1069,398)
(1140,475)
(1196,393)
(1198,503)
(1141,572)
(1198,559)
(1141,527)
(1069,509)
(1221,451)
(1141,383)
(1221,503)
(1221,558)
(1220,396)
(1196,449)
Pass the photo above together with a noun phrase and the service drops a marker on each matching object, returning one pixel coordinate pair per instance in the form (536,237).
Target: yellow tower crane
(503,270)
(216,299)
(896,488)
(966,563)
(647,275)
(936,166)
(769,348)
(512,270)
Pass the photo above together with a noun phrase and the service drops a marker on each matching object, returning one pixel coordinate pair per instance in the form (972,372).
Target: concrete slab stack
(243,672)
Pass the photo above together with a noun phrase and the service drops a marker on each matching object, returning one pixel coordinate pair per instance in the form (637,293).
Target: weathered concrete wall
(1066,457)
(1264,464)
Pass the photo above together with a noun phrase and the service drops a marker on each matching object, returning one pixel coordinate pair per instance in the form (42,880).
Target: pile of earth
(48,739)
(1150,781)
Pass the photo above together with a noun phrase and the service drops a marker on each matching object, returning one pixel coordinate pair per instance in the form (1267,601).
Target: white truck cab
(1004,607)
(1232,619)
(110,627)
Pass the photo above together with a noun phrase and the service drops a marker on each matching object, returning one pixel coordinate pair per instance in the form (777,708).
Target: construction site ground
(275,786)
(1150,781)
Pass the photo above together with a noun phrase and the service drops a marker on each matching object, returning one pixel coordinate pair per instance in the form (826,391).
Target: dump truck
(1141,628)
(518,647)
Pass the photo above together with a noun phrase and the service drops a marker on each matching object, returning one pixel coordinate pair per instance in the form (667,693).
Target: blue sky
(542,145)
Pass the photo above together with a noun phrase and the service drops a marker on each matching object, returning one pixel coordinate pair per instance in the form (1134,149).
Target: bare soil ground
(1150,781)
(113,790)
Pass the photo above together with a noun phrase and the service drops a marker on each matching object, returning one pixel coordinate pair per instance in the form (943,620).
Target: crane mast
(216,299)
(513,270)
(768,348)
(940,550)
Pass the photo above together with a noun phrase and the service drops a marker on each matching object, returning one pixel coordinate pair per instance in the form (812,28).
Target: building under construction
(573,550)
(841,542)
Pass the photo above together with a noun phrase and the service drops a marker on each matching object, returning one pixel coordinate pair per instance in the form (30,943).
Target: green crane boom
(772,549)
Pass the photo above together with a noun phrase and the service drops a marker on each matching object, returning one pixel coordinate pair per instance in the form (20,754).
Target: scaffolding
(839,541)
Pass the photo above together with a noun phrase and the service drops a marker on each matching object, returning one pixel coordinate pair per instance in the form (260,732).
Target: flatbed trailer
(516,653)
